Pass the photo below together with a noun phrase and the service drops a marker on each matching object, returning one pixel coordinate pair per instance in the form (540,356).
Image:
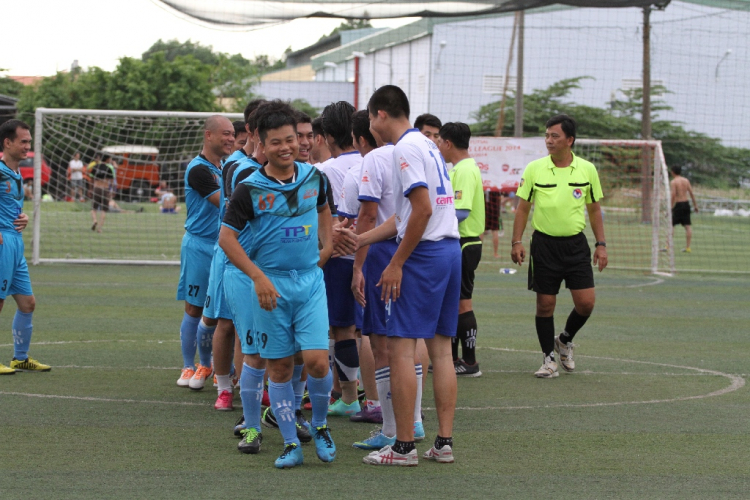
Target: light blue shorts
(195,268)
(238,289)
(216,305)
(430,290)
(14,272)
(300,320)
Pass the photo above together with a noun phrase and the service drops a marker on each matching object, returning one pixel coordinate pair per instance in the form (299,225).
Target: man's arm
(517,251)
(21,222)
(264,289)
(325,234)
(366,220)
(215,198)
(672,193)
(690,190)
(421,211)
(597,225)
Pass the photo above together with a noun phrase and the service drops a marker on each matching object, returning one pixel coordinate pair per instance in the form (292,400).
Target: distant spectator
(75,174)
(102,176)
(167,199)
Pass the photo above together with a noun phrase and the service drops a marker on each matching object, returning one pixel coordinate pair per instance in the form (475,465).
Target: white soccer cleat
(386,456)
(444,455)
(548,369)
(185,375)
(202,373)
(566,354)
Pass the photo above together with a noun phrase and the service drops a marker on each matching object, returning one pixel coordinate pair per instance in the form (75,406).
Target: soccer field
(657,409)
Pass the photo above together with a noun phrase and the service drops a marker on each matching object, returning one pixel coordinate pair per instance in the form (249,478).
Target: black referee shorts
(471,254)
(555,258)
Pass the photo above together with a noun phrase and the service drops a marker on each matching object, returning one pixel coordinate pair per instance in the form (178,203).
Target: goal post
(627,214)
(148,150)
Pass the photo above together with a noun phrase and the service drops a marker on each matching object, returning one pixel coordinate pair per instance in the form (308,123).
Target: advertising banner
(502,159)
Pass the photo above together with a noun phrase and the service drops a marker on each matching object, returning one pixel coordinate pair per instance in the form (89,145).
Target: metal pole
(37,186)
(518,126)
(356,83)
(646,162)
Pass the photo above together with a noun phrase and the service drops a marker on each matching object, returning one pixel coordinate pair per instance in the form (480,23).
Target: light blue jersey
(201,213)
(11,197)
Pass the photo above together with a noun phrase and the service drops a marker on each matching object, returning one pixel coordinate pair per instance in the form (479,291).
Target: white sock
(224,383)
(418,400)
(383,381)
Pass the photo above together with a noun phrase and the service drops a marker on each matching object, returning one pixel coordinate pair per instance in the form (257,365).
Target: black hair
(677,170)
(252,106)
(273,115)
(303,117)
(429,120)
(457,132)
(239,127)
(567,123)
(337,122)
(361,127)
(8,131)
(390,99)
(317,126)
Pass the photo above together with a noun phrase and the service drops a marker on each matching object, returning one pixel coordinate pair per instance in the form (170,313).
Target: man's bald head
(216,122)
(218,137)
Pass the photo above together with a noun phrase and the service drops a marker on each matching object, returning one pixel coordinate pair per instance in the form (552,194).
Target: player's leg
(371,408)
(546,273)
(223,340)
(281,392)
(688,237)
(299,381)
(471,255)
(403,385)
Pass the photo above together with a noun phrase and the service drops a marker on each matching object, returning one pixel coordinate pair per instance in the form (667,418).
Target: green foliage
(305,107)
(8,86)
(174,49)
(704,159)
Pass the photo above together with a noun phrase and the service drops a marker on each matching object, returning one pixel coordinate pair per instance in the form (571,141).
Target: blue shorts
(338,279)
(195,267)
(14,271)
(300,320)
(359,313)
(430,290)
(378,257)
(238,288)
(216,306)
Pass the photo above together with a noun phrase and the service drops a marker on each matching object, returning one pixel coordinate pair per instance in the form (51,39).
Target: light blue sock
(299,386)
(188,331)
(21,335)
(320,394)
(205,340)
(251,394)
(282,405)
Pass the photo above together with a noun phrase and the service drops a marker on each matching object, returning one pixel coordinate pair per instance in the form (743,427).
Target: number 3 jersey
(282,217)
(418,163)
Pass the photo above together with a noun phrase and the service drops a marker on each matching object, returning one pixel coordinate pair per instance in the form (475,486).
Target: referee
(468,198)
(559,185)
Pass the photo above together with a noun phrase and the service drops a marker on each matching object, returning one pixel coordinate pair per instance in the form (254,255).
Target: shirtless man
(680,188)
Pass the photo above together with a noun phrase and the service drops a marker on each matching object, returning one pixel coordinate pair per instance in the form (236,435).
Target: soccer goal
(148,152)
(636,205)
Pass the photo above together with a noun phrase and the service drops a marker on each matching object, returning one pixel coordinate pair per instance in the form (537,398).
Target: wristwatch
(601,244)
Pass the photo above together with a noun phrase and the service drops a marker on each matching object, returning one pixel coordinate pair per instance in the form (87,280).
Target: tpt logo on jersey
(295,234)
(577,193)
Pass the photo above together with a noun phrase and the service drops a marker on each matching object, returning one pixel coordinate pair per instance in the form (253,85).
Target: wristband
(515,243)
(600,244)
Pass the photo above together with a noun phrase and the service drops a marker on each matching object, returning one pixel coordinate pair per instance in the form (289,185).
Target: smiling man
(560,186)
(15,141)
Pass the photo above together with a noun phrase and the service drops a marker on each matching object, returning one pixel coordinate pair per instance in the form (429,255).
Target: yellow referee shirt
(468,194)
(560,194)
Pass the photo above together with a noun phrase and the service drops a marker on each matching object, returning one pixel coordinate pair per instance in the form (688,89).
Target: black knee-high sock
(454,347)
(467,334)
(575,322)
(545,330)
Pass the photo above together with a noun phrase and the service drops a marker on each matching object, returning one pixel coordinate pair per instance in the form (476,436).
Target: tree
(174,49)
(8,86)
(707,161)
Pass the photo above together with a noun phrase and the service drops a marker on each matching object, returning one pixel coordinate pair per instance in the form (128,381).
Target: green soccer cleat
(340,409)
(29,365)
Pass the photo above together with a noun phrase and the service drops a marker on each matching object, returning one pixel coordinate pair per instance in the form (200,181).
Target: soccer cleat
(340,409)
(269,419)
(185,376)
(369,414)
(202,373)
(566,354)
(4,370)
(291,457)
(686,250)
(548,369)
(303,427)
(418,431)
(386,456)
(463,369)
(324,445)
(29,365)
(239,425)
(376,441)
(444,455)
(224,401)
(250,442)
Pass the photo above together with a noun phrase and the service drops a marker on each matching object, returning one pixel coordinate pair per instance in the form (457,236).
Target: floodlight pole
(647,153)
(518,126)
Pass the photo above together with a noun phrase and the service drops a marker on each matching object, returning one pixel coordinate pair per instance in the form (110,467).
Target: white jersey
(323,165)
(376,181)
(348,203)
(336,172)
(418,163)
